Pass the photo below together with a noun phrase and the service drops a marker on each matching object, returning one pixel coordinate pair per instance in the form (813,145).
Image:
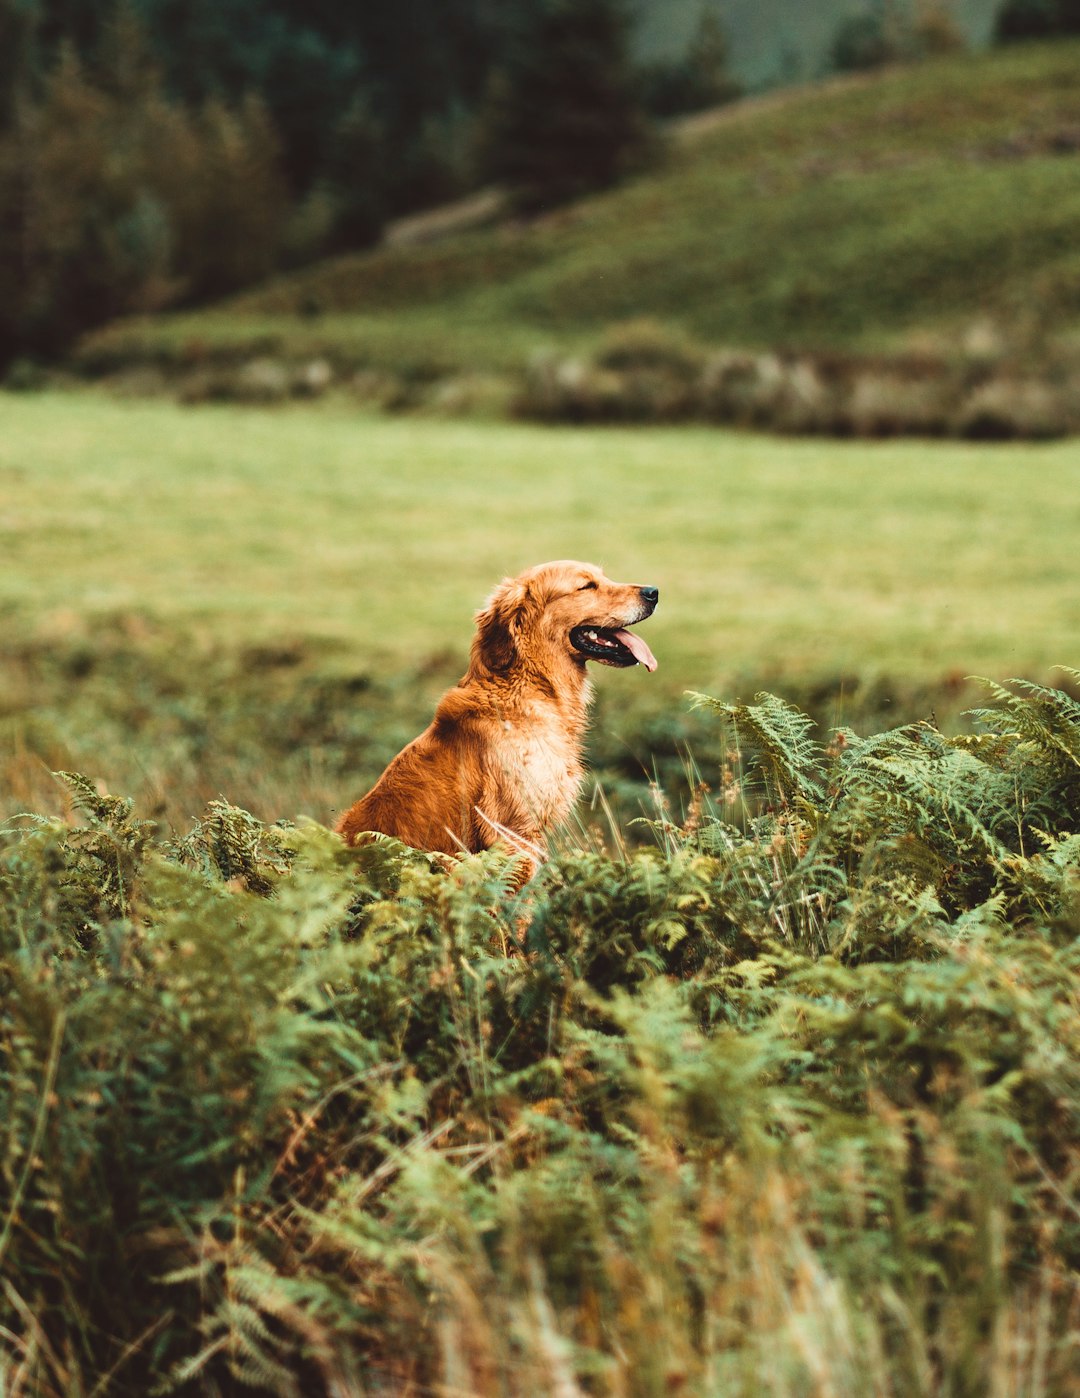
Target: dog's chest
(543,765)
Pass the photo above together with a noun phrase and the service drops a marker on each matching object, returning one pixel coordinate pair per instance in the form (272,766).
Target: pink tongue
(639,649)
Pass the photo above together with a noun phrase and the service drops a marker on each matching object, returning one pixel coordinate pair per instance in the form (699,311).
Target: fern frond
(231,843)
(1070,673)
(108,850)
(937,805)
(114,814)
(933,812)
(779,735)
(1047,718)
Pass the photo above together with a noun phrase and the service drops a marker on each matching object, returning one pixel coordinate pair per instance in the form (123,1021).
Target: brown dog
(501,759)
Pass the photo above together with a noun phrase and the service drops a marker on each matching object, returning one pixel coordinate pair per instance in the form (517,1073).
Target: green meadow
(328,562)
(773,556)
(766,1084)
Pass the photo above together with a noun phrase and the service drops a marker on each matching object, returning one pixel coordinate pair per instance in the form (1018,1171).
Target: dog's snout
(650,595)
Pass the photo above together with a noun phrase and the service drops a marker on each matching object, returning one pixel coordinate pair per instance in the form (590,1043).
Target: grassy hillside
(931,208)
(267,603)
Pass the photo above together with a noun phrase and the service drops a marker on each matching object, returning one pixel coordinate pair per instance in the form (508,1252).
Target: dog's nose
(650,595)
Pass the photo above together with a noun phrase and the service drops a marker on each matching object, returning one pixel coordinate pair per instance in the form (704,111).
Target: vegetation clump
(784,1100)
(1036,19)
(644,372)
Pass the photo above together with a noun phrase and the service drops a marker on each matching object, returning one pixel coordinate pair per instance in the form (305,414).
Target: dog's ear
(498,626)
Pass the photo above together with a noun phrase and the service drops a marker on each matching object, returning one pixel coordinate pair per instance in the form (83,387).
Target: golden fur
(501,760)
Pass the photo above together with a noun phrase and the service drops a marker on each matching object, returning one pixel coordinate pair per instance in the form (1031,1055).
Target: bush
(889,34)
(698,80)
(570,390)
(934,30)
(26,376)
(864,41)
(788,1097)
(1001,409)
(646,344)
(884,404)
(764,390)
(645,372)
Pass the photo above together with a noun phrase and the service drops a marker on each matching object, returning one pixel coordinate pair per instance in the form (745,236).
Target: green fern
(110,847)
(937,790)
(230,843)
(787,1100)
(1048,719)
(779,737)
(1038,730)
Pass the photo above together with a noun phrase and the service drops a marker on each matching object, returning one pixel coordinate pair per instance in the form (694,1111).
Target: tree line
(164,152)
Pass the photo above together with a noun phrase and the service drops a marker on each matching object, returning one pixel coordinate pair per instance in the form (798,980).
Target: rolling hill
(931,209)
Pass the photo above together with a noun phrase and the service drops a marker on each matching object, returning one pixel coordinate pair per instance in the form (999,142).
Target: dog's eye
(587,587)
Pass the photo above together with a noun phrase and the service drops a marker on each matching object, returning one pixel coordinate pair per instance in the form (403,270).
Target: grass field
(175,578)
(772,556)
(773,1093)
(903,210)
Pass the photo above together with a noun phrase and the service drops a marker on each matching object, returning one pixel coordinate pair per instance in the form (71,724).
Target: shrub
(26,376)
(569,390)
(864,41)
(787,1098)
(1002,408)
(934,29)
(645,372)
(471,395)
(649,345)
(699,79)
(884,404)
(891,34)
(765,390)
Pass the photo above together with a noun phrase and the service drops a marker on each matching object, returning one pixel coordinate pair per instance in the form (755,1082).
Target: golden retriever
(501,760)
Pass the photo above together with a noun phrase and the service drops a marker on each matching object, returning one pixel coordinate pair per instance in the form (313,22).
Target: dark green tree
(564,114)
(1036,19)
(417,66)
(867,40)
(699,79)
(355,177)
(20,22)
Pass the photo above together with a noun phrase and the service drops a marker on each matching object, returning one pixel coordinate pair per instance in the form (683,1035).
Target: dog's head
(563,613)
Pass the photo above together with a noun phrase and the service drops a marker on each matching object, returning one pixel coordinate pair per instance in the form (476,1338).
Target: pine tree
(355,176)
(695,81)
(564,116)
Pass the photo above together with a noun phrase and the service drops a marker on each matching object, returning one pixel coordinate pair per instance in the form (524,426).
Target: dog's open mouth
(610,647)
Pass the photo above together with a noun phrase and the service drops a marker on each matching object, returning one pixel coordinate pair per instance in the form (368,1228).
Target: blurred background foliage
(155,154)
